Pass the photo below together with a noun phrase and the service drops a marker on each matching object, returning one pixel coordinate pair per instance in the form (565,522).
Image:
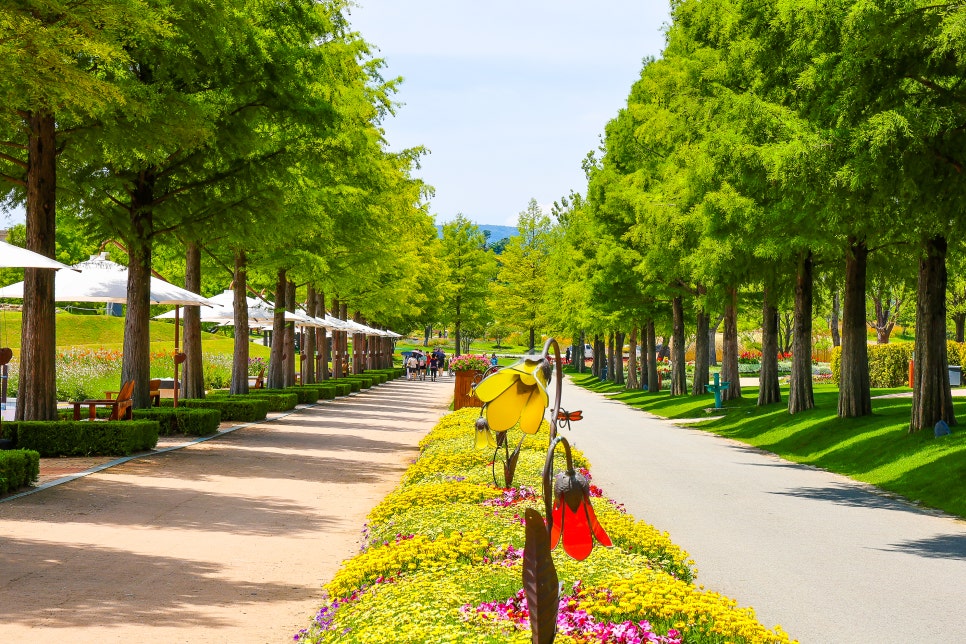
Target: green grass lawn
(876,449)
(107,332)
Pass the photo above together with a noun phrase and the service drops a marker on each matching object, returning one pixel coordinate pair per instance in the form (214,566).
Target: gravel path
(829,559)
(227,540)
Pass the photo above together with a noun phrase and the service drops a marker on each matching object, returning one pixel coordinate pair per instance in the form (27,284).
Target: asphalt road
(829,559)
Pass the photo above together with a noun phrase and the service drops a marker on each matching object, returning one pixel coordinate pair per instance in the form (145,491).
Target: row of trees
(774,146)
(242,133)
(778,151)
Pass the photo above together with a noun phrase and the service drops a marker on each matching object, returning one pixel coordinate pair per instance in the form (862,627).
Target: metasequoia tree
(62,66)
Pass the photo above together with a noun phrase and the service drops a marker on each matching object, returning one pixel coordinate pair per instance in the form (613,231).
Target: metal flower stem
(554,440)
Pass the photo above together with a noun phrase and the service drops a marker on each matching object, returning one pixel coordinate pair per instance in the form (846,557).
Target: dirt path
(223,541)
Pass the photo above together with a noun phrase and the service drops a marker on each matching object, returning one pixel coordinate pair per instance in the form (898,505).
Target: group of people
(419,363)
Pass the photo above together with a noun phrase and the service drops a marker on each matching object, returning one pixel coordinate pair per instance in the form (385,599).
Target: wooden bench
(155,392)
(122,407)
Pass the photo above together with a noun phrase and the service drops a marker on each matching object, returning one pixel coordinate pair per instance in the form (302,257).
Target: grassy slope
(876,449)
(93,331)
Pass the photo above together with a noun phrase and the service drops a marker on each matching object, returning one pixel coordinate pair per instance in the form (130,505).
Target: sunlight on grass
(876,449)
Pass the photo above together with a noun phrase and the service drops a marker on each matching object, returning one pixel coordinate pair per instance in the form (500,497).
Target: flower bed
(441,562)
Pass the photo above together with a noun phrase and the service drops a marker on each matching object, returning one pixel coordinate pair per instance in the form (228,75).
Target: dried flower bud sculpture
(518,395)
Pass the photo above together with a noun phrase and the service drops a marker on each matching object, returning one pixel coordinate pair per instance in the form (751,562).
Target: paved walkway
(228,540)
(828,559)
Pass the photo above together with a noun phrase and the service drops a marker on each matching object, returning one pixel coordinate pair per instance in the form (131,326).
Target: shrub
(889,364)
(954,352)
(328,392)
(277,399)
(237,408)
(18,467)
(836,364)
(83,438)
(193,422)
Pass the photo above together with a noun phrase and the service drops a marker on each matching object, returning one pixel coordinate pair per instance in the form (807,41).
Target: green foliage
(237,408)
(83,438)
(836,363)
(277,399)
(18,467)
(876,449)
(954,352)
(192,422)
(889,364)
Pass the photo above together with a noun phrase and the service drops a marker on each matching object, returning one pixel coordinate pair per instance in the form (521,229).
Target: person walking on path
(229,540)
(829,559)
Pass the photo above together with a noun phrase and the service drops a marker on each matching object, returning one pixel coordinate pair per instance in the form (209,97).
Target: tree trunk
(834,320)
(322,367)
(37,388)
(193,378)
(595,363)
(729,348)
(240,357)
(276,360)
(344,315)
(855,397)
(532,339)
(712,344)
(309,361)
(959,319)
(679,374)
(619,357)
(800,395)
(582,365)
(632,379)
(610,356)
(931,400)
(769,391)
(701,361)
(336,342)
(358,348)
(136,361)
(653,380)
(290,357)
(458,325)
(427,332)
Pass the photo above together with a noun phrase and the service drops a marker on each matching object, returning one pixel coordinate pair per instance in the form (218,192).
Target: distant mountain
(496,232)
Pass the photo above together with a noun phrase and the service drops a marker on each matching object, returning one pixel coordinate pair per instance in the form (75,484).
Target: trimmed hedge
(277,399)
(236,408)
(307,394)
(83,438)
(354,385)
(18,467)
(888,364)
(328,392)
(193,422)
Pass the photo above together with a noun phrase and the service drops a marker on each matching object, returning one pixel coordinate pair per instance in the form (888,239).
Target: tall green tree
(522,278)
(468,273)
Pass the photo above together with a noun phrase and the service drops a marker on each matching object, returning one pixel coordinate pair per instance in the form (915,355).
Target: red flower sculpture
(574,518)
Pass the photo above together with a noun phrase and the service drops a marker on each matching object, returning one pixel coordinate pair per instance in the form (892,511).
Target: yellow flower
(517,393)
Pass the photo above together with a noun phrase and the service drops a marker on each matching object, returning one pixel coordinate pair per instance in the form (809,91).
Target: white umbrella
(16,257)
(102,280)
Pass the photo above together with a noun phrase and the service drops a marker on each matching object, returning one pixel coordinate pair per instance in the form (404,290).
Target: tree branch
(16,182)
(13,160)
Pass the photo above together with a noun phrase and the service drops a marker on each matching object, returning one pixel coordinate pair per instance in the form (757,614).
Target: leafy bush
(889,364)
(354,385)
(83,438)
(193,422)
(18,467)
(328,392)
(954,352)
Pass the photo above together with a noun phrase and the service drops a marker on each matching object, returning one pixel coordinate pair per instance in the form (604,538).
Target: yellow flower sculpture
(516,393)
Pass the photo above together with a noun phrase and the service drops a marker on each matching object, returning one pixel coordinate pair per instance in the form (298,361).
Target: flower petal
(495,384)
(577,539)
(504,411)
(533,410)
(599,533)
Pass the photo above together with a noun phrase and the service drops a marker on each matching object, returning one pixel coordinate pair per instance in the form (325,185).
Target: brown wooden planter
(464,389)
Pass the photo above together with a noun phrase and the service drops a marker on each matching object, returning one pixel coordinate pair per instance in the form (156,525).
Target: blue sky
(508,96)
